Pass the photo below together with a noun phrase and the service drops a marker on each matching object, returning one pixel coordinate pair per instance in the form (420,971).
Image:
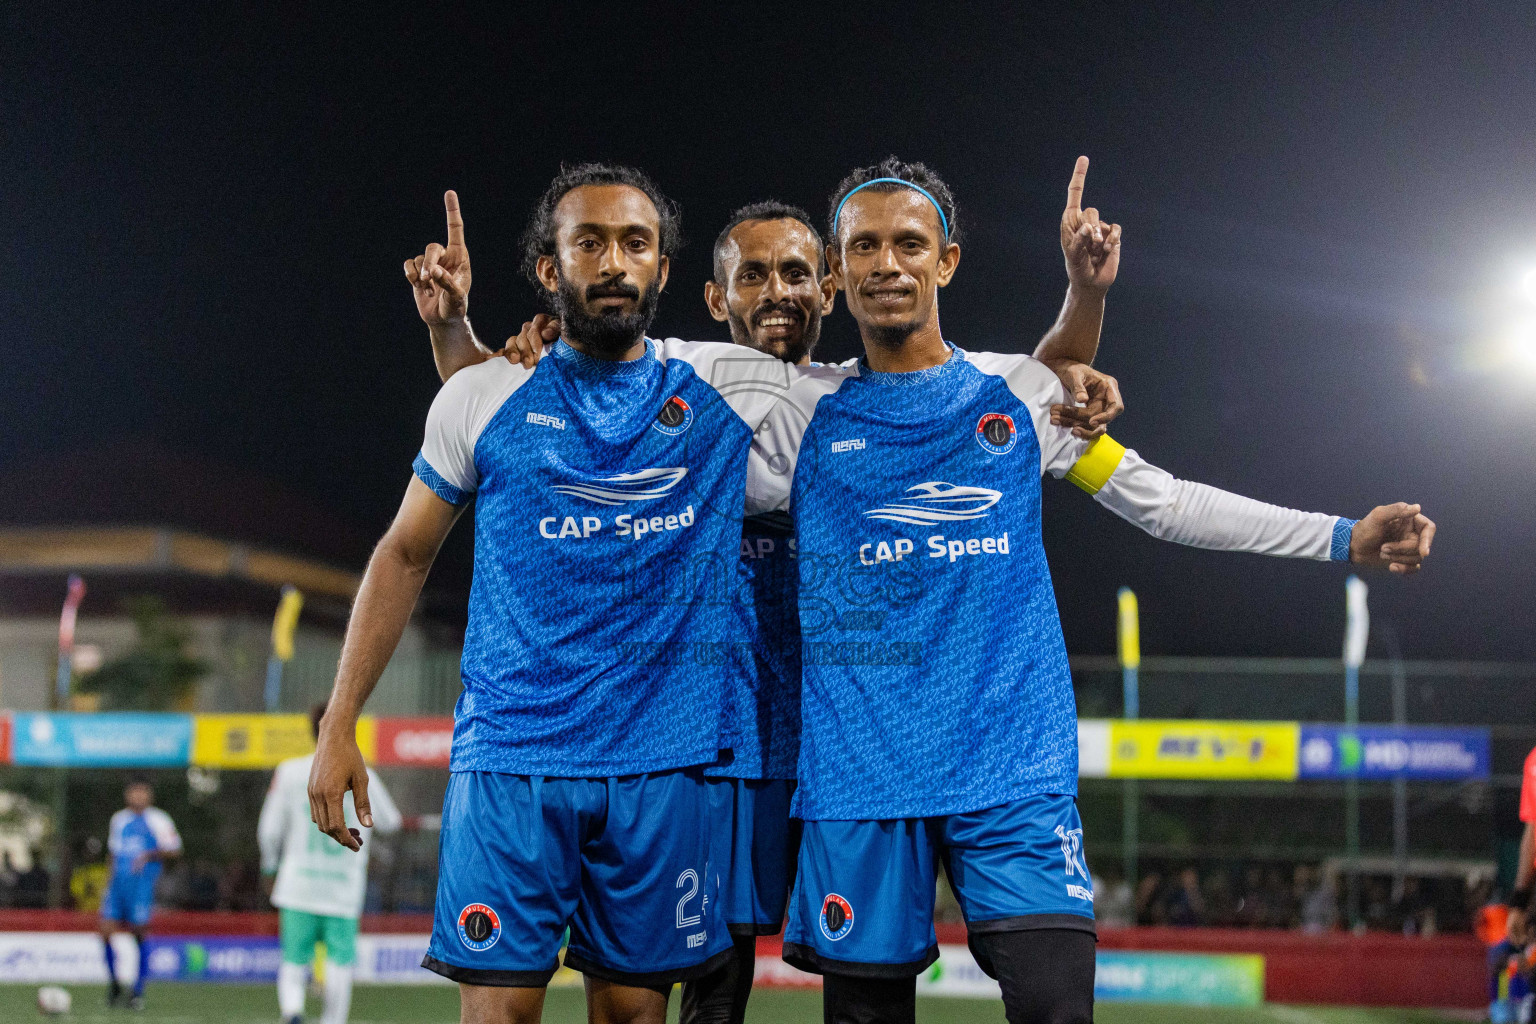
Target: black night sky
(1328,211)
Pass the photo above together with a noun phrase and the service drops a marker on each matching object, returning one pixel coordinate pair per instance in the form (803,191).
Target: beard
(611,333)
(791,351)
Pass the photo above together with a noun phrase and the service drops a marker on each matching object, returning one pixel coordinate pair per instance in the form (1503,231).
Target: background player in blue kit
(951,738)
(770,285)
(141,838)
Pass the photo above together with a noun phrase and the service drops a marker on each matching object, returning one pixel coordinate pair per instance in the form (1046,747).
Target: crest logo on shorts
(479,927)
(675,416)
(995,433)
(836,917)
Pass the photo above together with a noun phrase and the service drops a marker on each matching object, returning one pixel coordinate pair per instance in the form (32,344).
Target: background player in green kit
(317,886)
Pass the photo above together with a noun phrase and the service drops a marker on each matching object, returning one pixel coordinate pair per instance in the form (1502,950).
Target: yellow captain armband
(1097,465)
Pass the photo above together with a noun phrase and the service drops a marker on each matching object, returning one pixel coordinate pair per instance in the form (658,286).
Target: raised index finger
(455,221)
(1075,189)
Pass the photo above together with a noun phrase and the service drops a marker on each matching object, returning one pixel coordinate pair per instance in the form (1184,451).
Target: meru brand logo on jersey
(479,927)
(1072,854)
(836,917)
(675,416)
(853,444)
(929,504)
(544,419)
(644,485)
(995,433)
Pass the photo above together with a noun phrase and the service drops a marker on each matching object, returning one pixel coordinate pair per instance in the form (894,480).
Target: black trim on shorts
(491,979)
(807,959)
(744,931)
(1034,922)
(650,979)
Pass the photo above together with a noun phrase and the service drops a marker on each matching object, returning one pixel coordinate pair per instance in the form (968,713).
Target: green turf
(372,1004)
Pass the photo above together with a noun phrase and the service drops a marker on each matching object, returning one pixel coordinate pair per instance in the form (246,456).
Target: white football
(53,1001)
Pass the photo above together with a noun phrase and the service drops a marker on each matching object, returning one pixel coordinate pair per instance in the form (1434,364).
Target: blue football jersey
(131,835)
(935,675)
(760,730)
(608,527)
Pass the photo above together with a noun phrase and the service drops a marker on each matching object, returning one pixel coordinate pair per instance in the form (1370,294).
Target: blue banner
(1393,751)
(1193,979)
(101,740)
(213,958)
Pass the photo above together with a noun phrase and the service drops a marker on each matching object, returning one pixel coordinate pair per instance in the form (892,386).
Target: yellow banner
(1152,749)
(249,741)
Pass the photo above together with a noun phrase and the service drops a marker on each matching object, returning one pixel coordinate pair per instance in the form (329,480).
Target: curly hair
(768,209)
(539,238)
(892,167)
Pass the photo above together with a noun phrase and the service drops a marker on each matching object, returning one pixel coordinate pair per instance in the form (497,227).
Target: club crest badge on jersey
(675,416)
(836,917)
(479,927)
(995,433)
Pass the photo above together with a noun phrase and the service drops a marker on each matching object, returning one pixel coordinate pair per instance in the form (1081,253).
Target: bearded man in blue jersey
(769,284)
(949,735)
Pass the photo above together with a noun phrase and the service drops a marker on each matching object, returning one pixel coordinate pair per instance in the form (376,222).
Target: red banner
(5,737)
(414,742)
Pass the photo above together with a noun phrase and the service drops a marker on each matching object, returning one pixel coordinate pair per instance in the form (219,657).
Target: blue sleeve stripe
(453,496)
(1343,530)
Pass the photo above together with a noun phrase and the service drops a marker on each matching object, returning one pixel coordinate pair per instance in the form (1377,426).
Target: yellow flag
(284,623)
(1130,630)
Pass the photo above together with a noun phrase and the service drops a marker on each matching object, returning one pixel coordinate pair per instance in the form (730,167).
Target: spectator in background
(1114,903)
(1319,899)
(1186,904)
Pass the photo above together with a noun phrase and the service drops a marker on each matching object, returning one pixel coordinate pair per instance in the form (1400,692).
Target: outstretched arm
(1091,249)
(388,593)
(440,281)
(1395,537)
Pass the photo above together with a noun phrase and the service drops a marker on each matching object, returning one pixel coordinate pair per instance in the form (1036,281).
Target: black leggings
(720,997)
(1046,976)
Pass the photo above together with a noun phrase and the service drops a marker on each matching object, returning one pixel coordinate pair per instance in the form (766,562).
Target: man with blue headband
(938,720)
(769,284)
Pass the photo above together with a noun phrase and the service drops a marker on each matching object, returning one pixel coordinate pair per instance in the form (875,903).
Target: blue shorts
(863,898)
(623,862)
(128,899)
(754,843)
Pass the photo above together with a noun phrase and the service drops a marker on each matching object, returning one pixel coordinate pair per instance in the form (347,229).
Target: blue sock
(106,945)
(138,981)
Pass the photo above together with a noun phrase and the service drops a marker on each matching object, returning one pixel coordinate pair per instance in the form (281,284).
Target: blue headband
(943,220)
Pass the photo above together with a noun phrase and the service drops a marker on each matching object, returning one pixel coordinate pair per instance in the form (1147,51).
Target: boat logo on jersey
(836,917)
(935,501)
(645,485)
(479,927)
(675,416)
(995,433)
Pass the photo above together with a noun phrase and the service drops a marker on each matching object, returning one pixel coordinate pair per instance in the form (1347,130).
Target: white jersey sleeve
(1152,499)
(776,443)
(459,414)
(751,382)
(167,839)
(272,826)
(115,831)
(386,816)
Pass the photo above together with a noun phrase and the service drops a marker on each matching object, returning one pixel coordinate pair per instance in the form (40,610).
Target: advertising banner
(100,740)
(251,958)
(1191,979)
(249,741)
(1093,736)
(1168,749)
(413,742)
(5,737)
(1393,751)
